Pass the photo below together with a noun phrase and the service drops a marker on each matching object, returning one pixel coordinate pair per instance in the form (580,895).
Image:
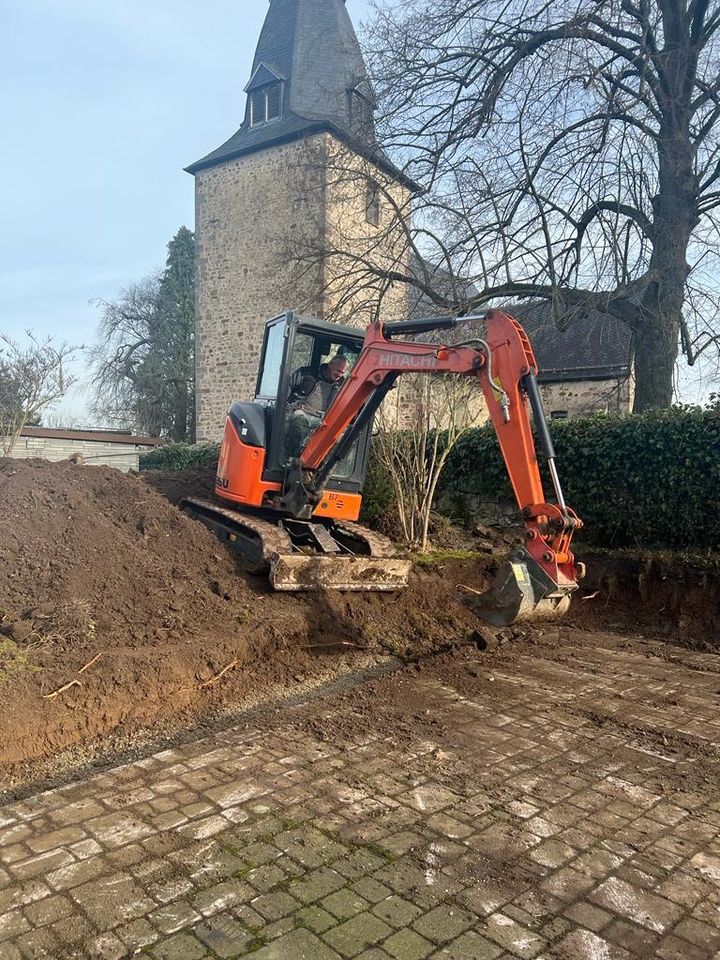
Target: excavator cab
(293,344)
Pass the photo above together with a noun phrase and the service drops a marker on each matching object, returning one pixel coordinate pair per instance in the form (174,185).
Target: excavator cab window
(272,360)
(303,389)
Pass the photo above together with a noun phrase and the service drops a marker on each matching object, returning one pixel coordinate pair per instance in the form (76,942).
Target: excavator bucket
(521,590)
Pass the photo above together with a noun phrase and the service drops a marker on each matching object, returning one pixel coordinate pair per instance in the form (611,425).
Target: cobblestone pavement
(573,813)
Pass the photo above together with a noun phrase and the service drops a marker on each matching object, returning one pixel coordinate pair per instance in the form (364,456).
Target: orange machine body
(240,480)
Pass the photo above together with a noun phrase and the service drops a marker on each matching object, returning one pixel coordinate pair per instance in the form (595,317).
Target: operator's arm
(302,383)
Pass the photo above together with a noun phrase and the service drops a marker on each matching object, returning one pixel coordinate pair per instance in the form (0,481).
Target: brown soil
(108,591)
(99,571)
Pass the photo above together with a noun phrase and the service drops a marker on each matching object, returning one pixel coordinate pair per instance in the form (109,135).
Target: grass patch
(15,661)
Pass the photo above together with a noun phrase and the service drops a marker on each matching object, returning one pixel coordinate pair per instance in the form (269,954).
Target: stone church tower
(288,204)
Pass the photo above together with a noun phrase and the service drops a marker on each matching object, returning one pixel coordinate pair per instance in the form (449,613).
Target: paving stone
(181,946)
(408,945)
(118,829)
(588,915)
(584,945)
(396,911)
(316,919)
(344,904)
(298,945)
(316,885)
(273,906)
(639,941)
(173,917)
(701,934)
(469,946)
(42,842)
(444,923)
(265,878)
(221,896)
(76,873)
(41,944)
(112,900)
(518,939)
(224,936)
(137,934)
(430,798)
(48,910)
(637,905)
(21,894)
(370,889)
(73,930)
(555,845)
(354,936)
(106,947)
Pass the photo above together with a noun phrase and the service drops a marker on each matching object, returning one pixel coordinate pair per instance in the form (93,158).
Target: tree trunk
(657,329)
(656,348)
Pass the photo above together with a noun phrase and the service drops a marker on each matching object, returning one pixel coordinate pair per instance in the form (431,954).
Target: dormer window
(266,104)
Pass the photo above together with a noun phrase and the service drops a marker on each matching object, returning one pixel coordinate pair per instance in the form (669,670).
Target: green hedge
(651,480)
(181,456)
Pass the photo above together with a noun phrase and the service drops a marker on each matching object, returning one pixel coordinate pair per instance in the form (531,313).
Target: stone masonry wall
(245,211)
(357,248)
(583,397)
(264,226)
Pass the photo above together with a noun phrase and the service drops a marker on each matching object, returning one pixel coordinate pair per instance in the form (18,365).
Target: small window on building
(266,104)
(361,113)
(372,203)
(558,415)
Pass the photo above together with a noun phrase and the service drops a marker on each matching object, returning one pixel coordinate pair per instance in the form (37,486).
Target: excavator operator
(311,393)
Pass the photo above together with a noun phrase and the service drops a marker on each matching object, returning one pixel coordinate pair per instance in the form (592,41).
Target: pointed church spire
(308,75)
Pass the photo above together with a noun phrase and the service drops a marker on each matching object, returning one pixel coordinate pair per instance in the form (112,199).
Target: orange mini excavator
(292,483)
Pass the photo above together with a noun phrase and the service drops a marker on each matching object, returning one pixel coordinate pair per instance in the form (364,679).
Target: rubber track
(275,541)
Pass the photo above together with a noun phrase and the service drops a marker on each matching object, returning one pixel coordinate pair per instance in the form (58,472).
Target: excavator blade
(367,560)
(298,572)
(521,590)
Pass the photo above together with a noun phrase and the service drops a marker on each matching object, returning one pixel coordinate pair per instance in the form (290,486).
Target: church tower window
(266,104)
(361,113)
(372,203)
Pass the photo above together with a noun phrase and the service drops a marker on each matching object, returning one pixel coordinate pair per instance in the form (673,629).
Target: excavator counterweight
(293,463)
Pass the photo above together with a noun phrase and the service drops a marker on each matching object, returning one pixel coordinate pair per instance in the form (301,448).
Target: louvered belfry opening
(266,104)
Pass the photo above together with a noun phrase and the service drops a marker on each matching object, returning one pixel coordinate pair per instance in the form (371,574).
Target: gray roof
(312,47)
(593,346)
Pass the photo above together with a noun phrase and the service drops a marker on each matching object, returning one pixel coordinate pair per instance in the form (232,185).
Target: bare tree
(418,427)
(32,379)
(570,152)
(143,357)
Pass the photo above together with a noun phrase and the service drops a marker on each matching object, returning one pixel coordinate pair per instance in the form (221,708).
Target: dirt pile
(136,612)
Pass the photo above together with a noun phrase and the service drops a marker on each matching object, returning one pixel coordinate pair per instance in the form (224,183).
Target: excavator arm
(539,578)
